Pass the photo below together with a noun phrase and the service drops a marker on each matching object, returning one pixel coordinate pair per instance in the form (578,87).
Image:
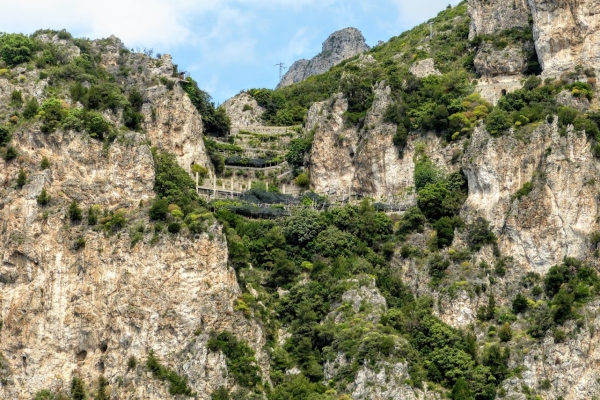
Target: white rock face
(344,159)
(243,110)
(567,33)
(556,219)
(341,45)
(85,312)
(424,68)
(509,61)
(493,16)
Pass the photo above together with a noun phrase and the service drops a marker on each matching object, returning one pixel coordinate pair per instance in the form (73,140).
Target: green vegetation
(216,122)
(78,391)
(44,198)
(75,214)
(16,48)
(21,178)
(178,384)
(5,135)
(241,362)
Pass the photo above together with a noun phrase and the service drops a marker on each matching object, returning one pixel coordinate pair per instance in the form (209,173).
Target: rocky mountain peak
(339,46)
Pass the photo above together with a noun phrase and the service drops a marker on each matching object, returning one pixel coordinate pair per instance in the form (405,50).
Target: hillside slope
(449,250)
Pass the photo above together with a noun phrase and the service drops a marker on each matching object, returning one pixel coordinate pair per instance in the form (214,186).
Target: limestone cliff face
(243,110)
(69,310)
(567,33)
(87,311)
(170,119)
(556,219)
(489,17)
(341,45)
(363,161)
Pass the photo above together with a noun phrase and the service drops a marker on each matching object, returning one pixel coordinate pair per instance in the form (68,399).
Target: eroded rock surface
(243,110)
(341,45)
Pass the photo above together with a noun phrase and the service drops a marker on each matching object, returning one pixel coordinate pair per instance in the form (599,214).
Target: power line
(281,68)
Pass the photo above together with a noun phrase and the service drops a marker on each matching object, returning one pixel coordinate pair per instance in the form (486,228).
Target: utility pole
(281,68)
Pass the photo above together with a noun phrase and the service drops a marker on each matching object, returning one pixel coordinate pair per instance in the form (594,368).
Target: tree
(460,391)
(5,135)
(520,304)
(31,108)
(102,385)
(505,333)
(45,164)
(21,178)
(74,212)
(498,122)
(445,231)
(43,199)
(78,389)
(16,48)
(437,267)
(431,198)
(303,226)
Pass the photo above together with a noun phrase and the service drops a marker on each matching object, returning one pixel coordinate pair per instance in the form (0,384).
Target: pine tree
(102,385)
(21,178)
(461,391)
(78,389)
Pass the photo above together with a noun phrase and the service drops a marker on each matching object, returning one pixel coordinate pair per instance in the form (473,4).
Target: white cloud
(413,13)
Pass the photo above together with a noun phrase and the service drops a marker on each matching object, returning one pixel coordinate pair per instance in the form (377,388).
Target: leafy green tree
(31,108)
(445,231)
(16,48)
(303,226)
(460,390)
(498,121)
(563,302)
(520,304)
(431,200)
(496,359)
(412,220)
(437,267)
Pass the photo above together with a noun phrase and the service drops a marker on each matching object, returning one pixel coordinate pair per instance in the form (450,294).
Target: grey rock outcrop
(341,45)
(506,62)
(424,68)
(567,33)
(86,311)
(243,110)
(491,16)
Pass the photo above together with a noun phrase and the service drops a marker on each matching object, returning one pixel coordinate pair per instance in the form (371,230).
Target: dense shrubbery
(216,122)
(241,362)
(16,48)
(177,384)
(176,199)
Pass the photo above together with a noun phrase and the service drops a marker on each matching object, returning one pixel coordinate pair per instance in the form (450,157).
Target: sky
(226,45)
